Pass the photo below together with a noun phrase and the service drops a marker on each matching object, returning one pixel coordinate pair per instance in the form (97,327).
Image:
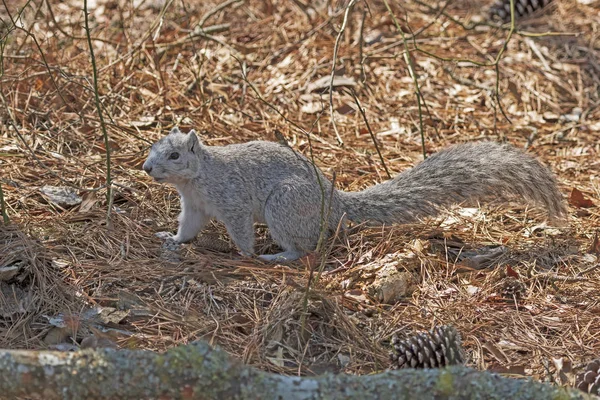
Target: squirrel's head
(174,158)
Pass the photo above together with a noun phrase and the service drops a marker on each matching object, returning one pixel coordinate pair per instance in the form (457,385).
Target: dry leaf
(8,272)
(516,370)
(56,336)
(345,109)
(323,83)
(13,300)
(89,199)
(278,360)
(515,91)
(511,272)
(577,199)
(496,352)
(144,121)
(595,246)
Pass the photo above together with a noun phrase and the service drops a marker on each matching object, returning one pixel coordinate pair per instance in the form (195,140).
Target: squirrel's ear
(174,130)
(192,141)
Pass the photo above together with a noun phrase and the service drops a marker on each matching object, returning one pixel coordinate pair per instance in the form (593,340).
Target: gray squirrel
(269,182)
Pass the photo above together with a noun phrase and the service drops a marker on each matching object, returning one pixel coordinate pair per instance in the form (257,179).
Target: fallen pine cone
(500,10)
(589,380)
(437,348)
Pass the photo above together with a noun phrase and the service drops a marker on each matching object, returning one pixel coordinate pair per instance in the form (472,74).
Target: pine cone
(513,287)
(437,348)
(500,10)
(589,380)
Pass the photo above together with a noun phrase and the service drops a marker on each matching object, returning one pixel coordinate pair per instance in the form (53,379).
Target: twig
(411,70)
(2,46)
(205,33)
(37,45)
(71,36)
(500,53)
(260,97)
(588,270)
(40,162)
(361,39)
(333,63)
(433,21)
(202,33)
(109,196)
(5,218)
(364,116)
(304,37)
(192,34)
(478,24)
(497,91)
(494,63)
(215,10)
(340,226)
(324,227)
(466,60)
(325,210)
(145,37)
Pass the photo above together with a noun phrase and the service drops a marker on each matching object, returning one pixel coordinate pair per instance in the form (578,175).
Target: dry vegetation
(253,73)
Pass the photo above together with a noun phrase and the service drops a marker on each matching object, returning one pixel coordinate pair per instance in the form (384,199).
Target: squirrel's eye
(174,156)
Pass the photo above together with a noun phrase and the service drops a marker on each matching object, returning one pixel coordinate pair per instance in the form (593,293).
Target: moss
(445,383)
(196,371)
(562,395)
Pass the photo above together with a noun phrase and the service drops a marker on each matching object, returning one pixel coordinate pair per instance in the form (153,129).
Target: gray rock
(61,196)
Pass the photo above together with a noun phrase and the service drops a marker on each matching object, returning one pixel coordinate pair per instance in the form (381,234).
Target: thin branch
(413,74)
(192,34)
(333,63)
(260,97)
(5,218)
(215,10)
(433,21)
(364,116)
(109,196)
(37,45)
(37,160)
(147,34)
(71,36)
(361,40)
(492,25)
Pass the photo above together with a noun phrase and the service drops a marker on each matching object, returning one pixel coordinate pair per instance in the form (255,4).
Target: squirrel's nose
(147,168)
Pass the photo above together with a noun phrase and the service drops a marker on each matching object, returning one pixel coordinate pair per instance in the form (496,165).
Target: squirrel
(271,183)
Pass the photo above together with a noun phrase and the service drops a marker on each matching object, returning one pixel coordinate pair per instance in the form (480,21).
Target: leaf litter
(523,296)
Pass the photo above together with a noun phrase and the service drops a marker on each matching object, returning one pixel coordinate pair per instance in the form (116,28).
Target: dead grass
(155,72)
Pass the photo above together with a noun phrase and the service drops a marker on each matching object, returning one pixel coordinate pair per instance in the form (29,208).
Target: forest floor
(523,294)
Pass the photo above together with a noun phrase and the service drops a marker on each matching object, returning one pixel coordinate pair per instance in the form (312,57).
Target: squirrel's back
(265,163)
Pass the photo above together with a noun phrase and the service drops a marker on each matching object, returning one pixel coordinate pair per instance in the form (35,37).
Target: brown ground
(251,79)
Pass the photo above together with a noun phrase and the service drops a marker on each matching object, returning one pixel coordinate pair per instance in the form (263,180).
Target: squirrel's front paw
(165,236)
(170,242)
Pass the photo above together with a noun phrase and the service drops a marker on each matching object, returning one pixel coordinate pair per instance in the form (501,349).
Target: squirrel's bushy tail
(474,171)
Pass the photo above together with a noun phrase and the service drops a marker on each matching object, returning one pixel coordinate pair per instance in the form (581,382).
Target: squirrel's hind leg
(240,227)
(292,214)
